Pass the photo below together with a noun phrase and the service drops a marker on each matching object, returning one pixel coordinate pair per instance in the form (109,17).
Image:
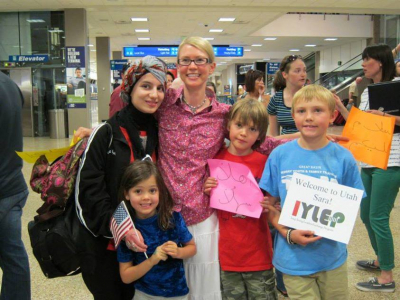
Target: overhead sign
(28,58)
(117,64)
(273,67)
(173,51)
(228,51)
(75,57)
(155,51)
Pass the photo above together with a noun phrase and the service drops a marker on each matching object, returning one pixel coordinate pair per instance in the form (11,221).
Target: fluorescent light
(90,45)
(55,30)
(35,21)
(266,59)
(270,39)
(209,39)
(330,39)
(256,45)
(139,19)
(215,30)
(144,39)
(294,50)
(94,50)
(142,30)
(223,62)
(226,19)
(310,45)
(247,50)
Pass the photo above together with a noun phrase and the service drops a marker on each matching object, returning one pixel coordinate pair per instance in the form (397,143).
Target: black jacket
(96,195)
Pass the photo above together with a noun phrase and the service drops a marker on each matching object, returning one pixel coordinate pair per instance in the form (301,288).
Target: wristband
(288,239)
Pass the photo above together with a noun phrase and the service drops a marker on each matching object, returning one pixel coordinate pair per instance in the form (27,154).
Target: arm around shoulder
(91,196)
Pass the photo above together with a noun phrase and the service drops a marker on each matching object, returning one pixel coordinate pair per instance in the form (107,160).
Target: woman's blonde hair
(200,44)
(313,91)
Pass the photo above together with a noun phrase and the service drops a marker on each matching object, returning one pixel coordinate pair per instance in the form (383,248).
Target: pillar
(104,88)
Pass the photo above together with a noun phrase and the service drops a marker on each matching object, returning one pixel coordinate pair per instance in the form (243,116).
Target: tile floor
(74,288)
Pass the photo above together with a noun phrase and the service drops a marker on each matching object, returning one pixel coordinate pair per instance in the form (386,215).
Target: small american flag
(121,223)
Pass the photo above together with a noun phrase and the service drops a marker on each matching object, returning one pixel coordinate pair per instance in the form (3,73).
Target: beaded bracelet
(288,239)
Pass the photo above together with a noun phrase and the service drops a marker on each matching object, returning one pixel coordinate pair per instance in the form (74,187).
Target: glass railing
(342,75)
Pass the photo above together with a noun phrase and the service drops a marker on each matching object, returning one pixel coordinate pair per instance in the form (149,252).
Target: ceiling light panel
(139,19)
(142,30)
(216,30)
(226,19)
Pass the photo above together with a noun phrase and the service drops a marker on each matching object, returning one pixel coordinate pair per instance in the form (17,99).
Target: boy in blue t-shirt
(313,267)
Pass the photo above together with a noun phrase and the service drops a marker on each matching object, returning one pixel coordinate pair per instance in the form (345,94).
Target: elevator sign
(28,58)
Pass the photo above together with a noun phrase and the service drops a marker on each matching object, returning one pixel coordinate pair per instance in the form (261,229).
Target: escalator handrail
(330,74)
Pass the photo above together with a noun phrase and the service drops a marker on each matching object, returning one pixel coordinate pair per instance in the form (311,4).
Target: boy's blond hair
(313,91)
(251,111)
(201,44)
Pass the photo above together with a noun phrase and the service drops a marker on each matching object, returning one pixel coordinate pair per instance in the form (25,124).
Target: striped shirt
(277,107)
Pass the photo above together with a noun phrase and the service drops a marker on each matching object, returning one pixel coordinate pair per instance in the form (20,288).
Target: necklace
(194,108)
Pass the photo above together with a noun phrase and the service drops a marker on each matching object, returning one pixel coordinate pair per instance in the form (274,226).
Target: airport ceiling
(171,20)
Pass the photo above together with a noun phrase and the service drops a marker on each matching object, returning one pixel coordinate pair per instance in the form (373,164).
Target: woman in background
(290,78)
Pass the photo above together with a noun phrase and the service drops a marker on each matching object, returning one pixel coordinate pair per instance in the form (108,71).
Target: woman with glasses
(255,87)
(290,78)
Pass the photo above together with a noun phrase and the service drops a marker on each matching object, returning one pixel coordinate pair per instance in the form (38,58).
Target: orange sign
(370,137)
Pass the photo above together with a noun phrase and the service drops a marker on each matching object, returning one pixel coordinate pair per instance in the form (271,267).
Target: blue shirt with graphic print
(167,278)
(333,163)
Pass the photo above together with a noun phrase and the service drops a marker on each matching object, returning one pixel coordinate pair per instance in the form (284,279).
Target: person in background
(381,185)
(115,84)
(170,79)
(255,87)
(116,103)
(16,283)
(289,79)
(129,135)
(211,86)
(397,67)
(353,95)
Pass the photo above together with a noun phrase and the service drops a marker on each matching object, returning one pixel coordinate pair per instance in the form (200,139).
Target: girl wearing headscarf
(129,135)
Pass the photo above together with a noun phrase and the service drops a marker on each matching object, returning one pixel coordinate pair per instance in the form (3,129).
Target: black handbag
(54,243)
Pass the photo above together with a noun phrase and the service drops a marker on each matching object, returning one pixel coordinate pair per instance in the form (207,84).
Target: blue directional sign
(273,67)
(228,51)
(117,64)
(155,51)
(173,51)
(28,58)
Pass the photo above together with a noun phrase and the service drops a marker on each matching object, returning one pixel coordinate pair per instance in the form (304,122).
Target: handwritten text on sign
(237,190)
(370,137)
(329,209)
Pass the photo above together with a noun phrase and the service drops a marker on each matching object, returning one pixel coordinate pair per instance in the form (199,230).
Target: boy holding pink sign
(313,267)
(245,245)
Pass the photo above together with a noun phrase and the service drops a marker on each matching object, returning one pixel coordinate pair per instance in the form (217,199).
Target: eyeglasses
(197,61)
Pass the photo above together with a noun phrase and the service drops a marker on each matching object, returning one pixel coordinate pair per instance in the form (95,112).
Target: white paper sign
(329,209)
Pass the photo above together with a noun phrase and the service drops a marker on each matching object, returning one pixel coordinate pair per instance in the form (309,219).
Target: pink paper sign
(237,190)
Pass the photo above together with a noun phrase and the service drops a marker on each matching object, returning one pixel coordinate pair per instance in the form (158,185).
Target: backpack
(54,231)
(56,182)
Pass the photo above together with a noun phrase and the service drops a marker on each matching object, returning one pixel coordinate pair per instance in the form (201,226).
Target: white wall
(330,57)
(360,26)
